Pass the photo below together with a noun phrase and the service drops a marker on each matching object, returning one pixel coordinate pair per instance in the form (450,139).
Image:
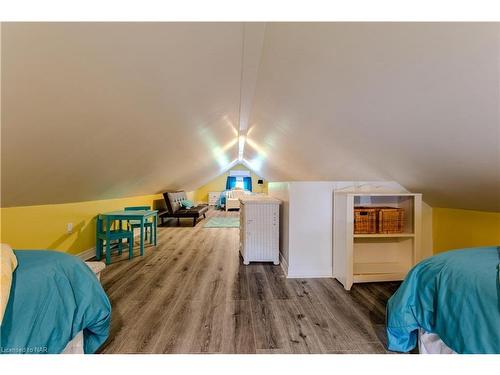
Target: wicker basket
(365,220)
(391,220)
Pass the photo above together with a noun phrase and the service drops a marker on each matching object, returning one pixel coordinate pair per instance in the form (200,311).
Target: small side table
(213,196)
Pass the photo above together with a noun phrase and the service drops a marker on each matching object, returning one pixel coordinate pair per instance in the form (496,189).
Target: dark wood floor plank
(268,334)
(196,324)
(358,328)
(258,287)
(238,332)
(277,281)
(149,320)
(267,330)
(372,348)
(192,294)
(208,337)
(367,304)
(331,334)
(132,309)
(178,328)
(239,287)
(298,330)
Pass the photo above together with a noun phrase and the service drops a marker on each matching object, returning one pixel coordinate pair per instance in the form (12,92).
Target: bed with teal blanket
(53,297)
(455,295)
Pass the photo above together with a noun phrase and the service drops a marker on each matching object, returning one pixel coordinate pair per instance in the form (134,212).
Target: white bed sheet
(430,343)
(75,346)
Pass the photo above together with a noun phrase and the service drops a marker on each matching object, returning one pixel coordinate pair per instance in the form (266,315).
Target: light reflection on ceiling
(220,153)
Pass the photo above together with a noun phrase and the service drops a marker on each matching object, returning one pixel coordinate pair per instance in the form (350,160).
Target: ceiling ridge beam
(251,53)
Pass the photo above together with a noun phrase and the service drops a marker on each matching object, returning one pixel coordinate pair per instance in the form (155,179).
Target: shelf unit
(374,257)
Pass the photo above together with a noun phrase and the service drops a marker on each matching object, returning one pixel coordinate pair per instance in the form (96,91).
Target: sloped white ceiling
(94,111)
(414,103)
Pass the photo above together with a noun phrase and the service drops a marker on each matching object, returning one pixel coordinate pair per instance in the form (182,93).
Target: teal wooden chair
(148,225)
(103,239)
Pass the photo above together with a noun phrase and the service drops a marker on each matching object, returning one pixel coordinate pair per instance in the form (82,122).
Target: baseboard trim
(87,254)
(90,253)
(308,276)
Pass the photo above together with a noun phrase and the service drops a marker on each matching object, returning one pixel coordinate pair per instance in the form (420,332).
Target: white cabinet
(377,256)
(259,229)
(213,196)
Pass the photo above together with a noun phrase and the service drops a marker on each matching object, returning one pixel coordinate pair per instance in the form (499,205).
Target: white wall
(191,196)
(280,190)
(306,243)
(310,232)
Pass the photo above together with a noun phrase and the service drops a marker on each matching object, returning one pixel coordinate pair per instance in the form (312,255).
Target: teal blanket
(53,297)
(455,295)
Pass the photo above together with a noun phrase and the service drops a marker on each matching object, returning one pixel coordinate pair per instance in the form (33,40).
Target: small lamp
(260,182)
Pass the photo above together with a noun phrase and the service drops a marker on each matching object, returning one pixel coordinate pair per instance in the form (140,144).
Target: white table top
(259,199)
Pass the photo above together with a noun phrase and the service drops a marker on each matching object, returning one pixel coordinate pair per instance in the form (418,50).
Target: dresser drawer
(213,196)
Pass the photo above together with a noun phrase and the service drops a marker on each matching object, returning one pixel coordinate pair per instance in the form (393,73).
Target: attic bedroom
(250,187)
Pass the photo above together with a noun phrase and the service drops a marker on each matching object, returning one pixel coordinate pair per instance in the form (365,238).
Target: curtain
(247,183)
(230,183)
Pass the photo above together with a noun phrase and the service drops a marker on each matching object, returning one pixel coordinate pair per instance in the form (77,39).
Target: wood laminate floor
(192,294)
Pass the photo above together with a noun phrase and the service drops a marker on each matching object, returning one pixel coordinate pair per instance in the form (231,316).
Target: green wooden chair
(119,234)
(148,225)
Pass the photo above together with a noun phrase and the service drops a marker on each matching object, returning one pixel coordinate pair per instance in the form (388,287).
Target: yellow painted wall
(44,227)
(219,184)
(455,229)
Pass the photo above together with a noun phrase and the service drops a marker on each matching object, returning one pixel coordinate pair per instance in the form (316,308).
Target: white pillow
(8,264)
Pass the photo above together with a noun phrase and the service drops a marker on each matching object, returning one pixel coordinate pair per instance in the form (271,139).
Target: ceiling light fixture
(241,146)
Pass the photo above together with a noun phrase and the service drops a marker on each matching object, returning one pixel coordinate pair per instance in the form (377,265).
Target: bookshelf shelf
(380,256)
(385,235)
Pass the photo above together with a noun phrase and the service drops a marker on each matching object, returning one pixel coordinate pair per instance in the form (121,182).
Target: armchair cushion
(186,203)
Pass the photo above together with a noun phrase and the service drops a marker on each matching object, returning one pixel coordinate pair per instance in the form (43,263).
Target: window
(239,182)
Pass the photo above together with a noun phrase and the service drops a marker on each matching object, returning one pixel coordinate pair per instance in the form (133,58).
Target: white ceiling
(413,103)
(95,111)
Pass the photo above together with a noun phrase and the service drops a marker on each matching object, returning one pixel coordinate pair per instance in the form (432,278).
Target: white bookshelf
(374,257)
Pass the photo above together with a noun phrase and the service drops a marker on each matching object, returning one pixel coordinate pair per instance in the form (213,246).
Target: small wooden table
(140,215)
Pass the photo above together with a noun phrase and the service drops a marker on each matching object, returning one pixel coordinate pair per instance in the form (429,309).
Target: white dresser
(259,229)
(213,196)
